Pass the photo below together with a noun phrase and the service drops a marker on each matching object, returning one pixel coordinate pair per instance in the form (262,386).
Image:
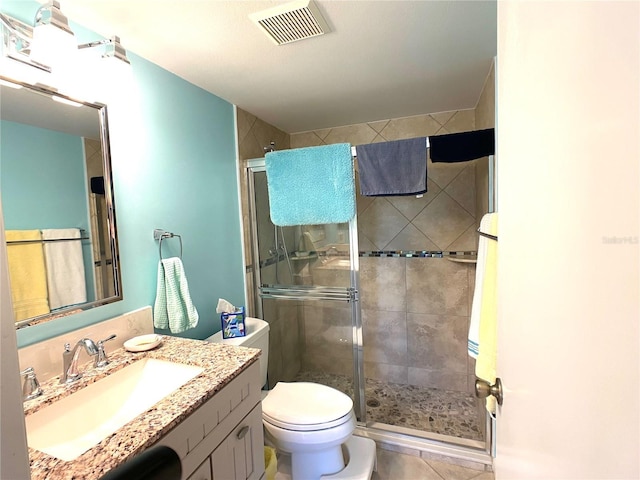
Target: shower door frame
(308,293)
(419,441)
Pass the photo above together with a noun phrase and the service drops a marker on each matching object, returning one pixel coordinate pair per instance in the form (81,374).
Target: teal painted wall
(51,194)
(174,167)
(31,189)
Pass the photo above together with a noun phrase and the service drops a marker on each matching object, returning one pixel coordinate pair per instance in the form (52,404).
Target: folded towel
(473,340)
(482,329)
(461,147)
(173,308)
(65,268)
(393,168)
(313,185)
(97,185)
(27,274)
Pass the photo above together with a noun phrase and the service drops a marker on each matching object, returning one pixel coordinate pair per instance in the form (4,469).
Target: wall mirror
(57,203)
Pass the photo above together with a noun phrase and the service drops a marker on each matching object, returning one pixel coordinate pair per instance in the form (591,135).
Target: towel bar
(353,149)
(488,235)
(83,236)
(160,235)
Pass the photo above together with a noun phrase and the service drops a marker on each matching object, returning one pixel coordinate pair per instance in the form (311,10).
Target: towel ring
(161,235)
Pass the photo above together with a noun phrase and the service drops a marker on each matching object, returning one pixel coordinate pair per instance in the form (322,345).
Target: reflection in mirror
(57,203)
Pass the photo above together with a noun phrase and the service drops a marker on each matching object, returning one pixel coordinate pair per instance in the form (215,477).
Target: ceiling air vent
(291,22)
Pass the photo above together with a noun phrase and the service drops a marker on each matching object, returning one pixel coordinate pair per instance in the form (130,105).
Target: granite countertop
(221,363)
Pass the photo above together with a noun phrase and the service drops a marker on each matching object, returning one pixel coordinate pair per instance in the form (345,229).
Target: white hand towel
(65,267)
(482,329)
(173,308)
(473,340)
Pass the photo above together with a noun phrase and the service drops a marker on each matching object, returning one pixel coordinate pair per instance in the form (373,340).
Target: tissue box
(233,324)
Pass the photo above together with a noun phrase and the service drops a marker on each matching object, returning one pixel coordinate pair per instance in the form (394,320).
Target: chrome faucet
(330,252)
(31,386)
(101,357)
(70,372)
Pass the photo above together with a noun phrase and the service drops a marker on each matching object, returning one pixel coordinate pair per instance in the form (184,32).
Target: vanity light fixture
(53,40)
(17,38)
(113,49)
(50,44)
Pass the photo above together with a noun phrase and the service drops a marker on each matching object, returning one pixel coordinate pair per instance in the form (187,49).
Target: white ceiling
(382,59)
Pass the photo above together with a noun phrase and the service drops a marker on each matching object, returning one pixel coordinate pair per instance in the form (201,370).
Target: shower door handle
(484,389)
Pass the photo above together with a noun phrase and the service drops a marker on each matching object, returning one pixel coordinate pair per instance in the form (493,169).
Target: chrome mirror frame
(111,233)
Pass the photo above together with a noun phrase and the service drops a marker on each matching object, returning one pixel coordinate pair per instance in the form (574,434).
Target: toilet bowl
(310,423)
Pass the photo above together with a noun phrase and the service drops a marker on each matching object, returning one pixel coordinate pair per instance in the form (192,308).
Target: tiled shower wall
(253,135)
(415,311)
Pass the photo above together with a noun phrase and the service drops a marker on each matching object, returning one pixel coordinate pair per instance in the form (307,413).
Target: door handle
(484,389)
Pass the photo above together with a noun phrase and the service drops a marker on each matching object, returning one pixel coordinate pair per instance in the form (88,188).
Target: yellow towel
(487,350)
(27,274)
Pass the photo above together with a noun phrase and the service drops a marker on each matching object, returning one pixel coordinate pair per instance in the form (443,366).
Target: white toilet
(310,422)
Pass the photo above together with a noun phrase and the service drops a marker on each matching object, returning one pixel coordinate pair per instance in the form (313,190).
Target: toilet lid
(303,403)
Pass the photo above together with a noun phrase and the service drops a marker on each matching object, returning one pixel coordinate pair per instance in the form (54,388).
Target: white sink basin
(74,424)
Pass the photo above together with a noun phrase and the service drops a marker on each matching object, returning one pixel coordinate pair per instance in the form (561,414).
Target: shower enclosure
(342,315)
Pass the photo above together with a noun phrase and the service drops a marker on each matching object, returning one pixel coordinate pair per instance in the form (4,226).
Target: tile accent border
(381,253)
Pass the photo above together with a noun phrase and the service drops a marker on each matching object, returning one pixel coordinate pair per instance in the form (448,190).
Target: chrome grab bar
(301,292)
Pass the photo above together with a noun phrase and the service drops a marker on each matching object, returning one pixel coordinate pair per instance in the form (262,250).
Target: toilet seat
(306,428)
(304,406)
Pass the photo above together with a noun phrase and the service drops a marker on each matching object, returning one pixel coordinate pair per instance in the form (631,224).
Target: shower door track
(477,452)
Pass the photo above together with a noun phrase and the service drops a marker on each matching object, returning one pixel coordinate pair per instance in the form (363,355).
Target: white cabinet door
(203,472)
(241,455)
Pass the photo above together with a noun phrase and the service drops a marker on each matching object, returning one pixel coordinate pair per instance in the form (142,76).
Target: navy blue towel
(460,147)
(393,168)
(97,185)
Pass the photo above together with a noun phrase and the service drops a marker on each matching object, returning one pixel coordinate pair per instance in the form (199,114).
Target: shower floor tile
(426,409)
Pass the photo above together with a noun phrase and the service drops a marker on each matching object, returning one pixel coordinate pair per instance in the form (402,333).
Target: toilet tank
(257,337)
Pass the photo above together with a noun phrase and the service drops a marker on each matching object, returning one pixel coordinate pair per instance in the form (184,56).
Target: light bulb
(53,46)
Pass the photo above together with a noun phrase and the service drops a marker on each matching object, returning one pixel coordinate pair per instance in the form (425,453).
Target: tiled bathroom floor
(398,466)
(426,409)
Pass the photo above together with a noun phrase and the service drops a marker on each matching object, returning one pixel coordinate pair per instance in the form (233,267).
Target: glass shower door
(307,283)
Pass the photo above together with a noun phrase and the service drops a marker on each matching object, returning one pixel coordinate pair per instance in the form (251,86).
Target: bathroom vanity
(213,421)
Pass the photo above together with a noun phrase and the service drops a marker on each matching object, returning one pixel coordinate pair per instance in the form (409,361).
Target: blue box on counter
(233,324)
